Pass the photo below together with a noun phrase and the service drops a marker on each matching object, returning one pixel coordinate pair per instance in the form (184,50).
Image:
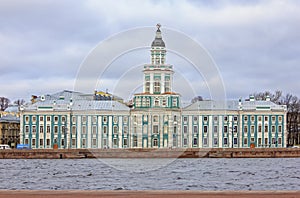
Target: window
(41,142)
(174,142)
(225,118)
(155,118)
(135,129)
(125,143)
(235,129)
(26,141)
(63,119)
(195,129)
(175,129)
(185,142)
(94,119)
(115,119)
(41,119)
(115,142)
(33,142)
(167,84)
(185,119)
(252,118)
(83,129)
(55,118)
(94,130)
(252,129)
(205,118)
(115,129)
(185,129)
(48,142)
(205,129)
(235,118)
(175,118)
(195,119)
(94,142)
(134,141)
(74,119)
(279,118)
(156,102)
(34,129)
(266,141)
(83,119)
(205,141)
(26,119)
(41,129)
(245,129)
(48,118)
(155,142)
(273,140)
(125,130)
(48,129)
(225,140)
(73,130)
(83,142)
(215,141)
(279,129)
(266,129)
(259,128)
(63,129)
(104,119)
(195,142)
(279,140)
(155,129)
(55,129)
(104,129)
(259,118)
(73,142)
(235,140)
(215,129)
(252,139)
(259,141)
(273,118)
(26,129)
(104,142)
(125,119)
(33,118)
(215,118)
(225,128)
(156,86)
(245,141)
(246,118)
(273,129)
(266,118)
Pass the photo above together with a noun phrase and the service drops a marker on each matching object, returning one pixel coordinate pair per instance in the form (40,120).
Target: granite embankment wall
(151,153)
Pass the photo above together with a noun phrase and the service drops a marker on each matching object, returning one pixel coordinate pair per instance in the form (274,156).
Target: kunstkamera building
(155,118)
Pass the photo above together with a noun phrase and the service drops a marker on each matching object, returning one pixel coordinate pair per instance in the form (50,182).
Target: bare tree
(276,97)
(4,103)
(19,102)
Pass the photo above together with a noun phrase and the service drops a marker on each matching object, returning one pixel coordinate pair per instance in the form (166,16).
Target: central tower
(156,111)
(158,79)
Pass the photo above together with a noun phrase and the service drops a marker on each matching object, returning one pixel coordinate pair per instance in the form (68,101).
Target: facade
(155,119)
(10,130)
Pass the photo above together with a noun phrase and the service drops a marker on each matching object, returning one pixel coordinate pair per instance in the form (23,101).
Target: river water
(151,174)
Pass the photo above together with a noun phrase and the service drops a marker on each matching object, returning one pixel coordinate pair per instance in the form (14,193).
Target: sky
(255,45)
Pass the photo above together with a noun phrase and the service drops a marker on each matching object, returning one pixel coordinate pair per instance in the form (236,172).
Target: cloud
(255,44)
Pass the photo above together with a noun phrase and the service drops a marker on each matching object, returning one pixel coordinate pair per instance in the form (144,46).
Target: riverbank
(148,194)
(151,153)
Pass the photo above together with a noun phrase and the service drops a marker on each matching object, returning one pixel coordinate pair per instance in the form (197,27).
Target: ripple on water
(182,174)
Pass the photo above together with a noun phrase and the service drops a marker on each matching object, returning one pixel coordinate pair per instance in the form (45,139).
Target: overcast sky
(255,44)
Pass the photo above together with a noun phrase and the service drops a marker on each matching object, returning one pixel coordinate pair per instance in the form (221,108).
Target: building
(10,130)
(155,119)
